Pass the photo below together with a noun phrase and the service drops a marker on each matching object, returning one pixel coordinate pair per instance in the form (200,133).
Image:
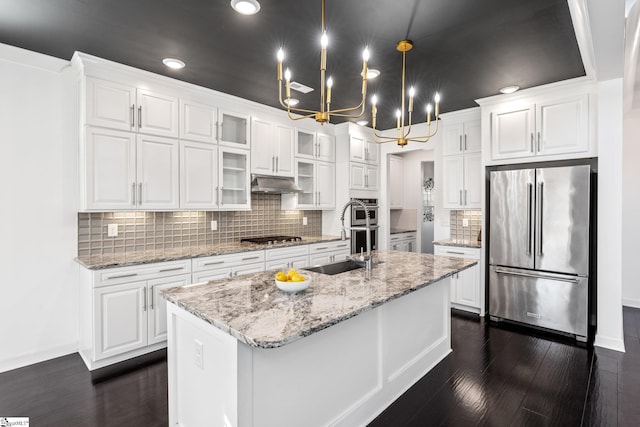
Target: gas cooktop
(270,240)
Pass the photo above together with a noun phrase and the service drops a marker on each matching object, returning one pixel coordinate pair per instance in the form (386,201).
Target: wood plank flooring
(496,376)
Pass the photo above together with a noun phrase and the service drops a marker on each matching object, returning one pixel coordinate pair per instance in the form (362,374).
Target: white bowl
(294,286)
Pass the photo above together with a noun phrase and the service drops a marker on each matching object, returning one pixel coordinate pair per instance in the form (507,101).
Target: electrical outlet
(198,353)
(465,222)
(304,220)
(112,230)
(214,225)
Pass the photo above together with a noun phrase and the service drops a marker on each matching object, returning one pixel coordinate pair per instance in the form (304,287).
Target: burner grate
(270,240)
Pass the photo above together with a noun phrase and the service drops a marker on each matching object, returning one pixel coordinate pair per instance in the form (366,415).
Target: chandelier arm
(308,116)
(343,110)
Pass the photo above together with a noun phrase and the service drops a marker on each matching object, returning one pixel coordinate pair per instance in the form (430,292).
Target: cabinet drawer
(114,276)
(223,261)
(317,248)
(287,263)
(457,252)
(285,253)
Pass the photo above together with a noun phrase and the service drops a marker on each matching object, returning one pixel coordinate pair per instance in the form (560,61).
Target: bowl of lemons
(292,281)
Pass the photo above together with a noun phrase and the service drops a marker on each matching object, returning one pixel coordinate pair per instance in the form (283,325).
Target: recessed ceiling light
(174,63)
(291,101)
(372,73)
(362,122)
(246,7)
(509,89)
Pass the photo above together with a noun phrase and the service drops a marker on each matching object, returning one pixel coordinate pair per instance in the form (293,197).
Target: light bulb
(330,82)
(280,55)
(437,98)
(429,108)
(287,74)
(365,54)
(412,91)
(398,113)
(324,40)
(374,100)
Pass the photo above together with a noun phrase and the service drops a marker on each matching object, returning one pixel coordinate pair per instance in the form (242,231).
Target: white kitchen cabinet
(329,252)
(125,171)
(272,152)
(405,242)
(118,106)
(462,137)
(225,266)
(396,182)
(233,129)
(234,179)
(465,285)
(552,126)
(363,150)
(318,183)
(462,181)
(315,146)
(198,175)
(122,313)
(363,176)
(284,259)
(198,122)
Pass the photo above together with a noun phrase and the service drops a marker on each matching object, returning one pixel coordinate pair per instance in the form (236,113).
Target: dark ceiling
(466,49)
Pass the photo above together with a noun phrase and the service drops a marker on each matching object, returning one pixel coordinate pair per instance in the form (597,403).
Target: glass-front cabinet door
(234,179)
(306,144)
(305,174)
(233,129)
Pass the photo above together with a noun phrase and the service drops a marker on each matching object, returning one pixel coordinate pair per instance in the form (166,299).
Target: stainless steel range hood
(273,184)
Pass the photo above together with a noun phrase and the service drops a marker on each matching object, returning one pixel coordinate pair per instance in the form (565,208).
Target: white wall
(38,274)
(630,209)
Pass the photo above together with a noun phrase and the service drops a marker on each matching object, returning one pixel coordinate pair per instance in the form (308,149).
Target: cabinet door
(263,157)
(563,126)
(326,185)
(472,181)
(306,179)
(396,182)
(320,259)
(157,319)
(357,149)
(453,181)
(285,264)
(283,148)
(468,287)
(452,140)
(512,133)
(110,104)
(157,113)
(157,172)
(326,147)
(372,152)
(411,245)
(306,146)
(198,175)
(472,139)
(110,174)
(357,173)
(248,269)
(233,177)
(372,177)
(197,122)
(121,319)
(234,129)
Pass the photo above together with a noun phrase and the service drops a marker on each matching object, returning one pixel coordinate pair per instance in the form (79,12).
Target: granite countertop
(401,230)
(253,310)
(463,243)
(97,262)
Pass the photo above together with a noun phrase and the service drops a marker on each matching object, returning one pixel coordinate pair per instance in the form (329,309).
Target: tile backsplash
(138,231)
(459,231)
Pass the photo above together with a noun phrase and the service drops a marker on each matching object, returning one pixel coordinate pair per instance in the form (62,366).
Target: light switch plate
(198,349)
(214,225)
(465,222)
(112,230)
(304,220)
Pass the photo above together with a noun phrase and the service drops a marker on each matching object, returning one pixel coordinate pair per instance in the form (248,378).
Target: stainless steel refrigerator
(539,247)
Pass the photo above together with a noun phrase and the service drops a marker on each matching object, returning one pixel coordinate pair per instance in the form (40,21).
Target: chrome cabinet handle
(277,163)
(164,270)
(465,197)
(460,138)
(538,142)
(460,197)
(342,246)
(133,193)
(221,198)
(322,249)
(122,276)
(217,195)
(537,276)
(249,258)
(454,252)
(532,142)
(151,295)
(140,117)
(235,273)
(133,115)
(273,163)
(465,142)
(318,198)
(213,263)
(140,194)
(144,305)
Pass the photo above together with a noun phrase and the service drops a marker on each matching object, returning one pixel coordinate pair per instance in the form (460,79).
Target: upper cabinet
(198,122)
(318,182)
(233,129)
(315,146)
(363,150)
(396,182)
(123,107)
(464,137)
(272,150)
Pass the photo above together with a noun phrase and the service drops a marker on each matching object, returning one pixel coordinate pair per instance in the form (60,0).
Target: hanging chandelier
(402,137)
(323,115)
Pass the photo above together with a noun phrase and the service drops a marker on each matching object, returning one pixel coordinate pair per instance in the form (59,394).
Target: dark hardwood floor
(496,376)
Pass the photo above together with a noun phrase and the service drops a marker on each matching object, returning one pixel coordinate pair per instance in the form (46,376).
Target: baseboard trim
(40,356)
(615,344)
(631,302)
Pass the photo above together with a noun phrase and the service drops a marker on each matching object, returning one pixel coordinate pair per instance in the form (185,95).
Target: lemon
(297,278)
(292,273)
(280,276)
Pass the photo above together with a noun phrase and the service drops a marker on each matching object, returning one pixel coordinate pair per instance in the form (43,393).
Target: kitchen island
(243,353)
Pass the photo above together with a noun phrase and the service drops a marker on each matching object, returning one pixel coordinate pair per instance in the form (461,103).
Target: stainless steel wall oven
(359,237)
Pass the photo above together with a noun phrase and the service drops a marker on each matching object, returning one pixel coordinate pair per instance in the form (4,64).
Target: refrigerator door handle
(529,218)
(537,276)
(540,218)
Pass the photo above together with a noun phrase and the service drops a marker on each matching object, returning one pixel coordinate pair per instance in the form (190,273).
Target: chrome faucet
(343,234)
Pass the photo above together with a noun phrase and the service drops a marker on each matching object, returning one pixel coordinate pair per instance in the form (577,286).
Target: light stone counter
(254,311)
(160,255)
(462,243)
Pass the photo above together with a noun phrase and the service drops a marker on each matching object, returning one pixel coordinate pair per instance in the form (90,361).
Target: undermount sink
(336,267)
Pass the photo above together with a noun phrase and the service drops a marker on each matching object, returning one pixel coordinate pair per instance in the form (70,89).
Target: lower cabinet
(329,252)
(287,258)
(122,312)
(225,266)
(405,242)
(465,285)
